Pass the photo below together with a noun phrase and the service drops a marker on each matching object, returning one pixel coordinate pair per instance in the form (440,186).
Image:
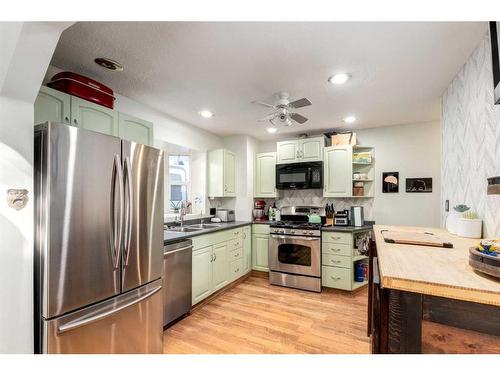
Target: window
(179,179)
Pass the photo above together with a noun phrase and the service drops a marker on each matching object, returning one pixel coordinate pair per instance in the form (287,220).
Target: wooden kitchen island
(426,299)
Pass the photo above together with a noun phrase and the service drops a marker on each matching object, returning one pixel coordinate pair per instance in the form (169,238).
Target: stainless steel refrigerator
(98,243)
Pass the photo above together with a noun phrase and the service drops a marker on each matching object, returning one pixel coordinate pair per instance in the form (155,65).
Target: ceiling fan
(283,106)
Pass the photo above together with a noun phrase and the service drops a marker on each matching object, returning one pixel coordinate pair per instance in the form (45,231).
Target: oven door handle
(295,237)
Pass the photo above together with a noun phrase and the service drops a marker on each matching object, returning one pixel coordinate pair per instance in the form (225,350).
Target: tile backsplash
(314,197)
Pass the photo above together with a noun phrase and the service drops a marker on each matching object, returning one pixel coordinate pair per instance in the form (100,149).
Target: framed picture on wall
(390,182)
(419,185)
(495,56)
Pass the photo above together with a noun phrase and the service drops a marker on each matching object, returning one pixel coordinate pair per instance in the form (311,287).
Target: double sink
(190,228)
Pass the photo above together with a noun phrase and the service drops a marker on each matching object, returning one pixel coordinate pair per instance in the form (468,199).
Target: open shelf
(356,284)
(367,180)
(358,163)
(355,258)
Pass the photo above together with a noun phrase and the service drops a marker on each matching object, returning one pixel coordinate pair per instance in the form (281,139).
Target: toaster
(225,215)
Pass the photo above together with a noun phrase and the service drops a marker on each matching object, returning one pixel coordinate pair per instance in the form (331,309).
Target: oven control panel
(296,232)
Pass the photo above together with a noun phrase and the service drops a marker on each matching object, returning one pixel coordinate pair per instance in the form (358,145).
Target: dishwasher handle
(177,250)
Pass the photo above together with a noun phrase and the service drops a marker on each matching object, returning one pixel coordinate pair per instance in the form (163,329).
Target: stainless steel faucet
(182,212)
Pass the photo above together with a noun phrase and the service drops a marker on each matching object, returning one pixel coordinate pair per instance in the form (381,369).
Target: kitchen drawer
(336,249)
(337,237)
(236,269)
(235,244)
(336,277)
(236,233)
(261,229)
(235,254)
(336,261)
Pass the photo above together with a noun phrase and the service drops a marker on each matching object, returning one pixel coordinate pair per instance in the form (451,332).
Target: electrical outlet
(447,205)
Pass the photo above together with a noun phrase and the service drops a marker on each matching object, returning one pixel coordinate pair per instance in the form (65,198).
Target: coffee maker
(259,212)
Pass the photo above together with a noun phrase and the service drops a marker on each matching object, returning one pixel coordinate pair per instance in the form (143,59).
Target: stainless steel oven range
(295,251)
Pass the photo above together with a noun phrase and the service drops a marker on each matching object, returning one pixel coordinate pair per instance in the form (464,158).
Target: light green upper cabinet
(337,171)
(229,173)
(247,249)
(220,266)
(52,105)
(265,175)
(311,149)
(300,150)
(201,274)
(134,129)
(90,116)
(287,151)
(221,173)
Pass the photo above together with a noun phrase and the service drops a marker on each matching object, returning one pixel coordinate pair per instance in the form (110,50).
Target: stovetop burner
(294,225)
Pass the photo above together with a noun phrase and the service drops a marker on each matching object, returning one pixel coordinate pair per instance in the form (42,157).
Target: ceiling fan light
(339,79)
(205,113)
(272,129)
(349,119)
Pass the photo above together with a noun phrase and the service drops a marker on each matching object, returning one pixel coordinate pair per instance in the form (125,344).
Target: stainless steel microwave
(299,175)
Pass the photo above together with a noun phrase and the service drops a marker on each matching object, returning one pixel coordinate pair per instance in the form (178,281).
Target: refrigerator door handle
(116,240)
(128,209)
(77,323)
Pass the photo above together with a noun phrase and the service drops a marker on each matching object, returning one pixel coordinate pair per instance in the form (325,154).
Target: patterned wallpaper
(471,139)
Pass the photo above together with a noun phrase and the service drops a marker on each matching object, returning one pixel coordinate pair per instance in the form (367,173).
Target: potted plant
(453,216)
(469,225)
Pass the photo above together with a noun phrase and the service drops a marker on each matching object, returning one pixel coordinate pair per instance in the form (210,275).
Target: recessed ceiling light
(349,119)
(205,113)
(109,64)
(339,79)
(272,129)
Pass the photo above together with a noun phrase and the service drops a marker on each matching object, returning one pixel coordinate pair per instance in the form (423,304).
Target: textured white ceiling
(399,70)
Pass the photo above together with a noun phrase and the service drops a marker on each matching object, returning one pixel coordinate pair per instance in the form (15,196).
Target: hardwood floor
(255,317)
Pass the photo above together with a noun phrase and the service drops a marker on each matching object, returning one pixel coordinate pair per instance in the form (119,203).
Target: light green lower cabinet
(202,274)
(219,259)
(338,257)
(134,129)
(220,267)
(91,116)
(52,105)
(247,249)
(260,247)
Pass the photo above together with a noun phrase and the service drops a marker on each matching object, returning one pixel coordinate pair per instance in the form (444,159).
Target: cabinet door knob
(336,261)
(75,121)
(335,278)
(66,120)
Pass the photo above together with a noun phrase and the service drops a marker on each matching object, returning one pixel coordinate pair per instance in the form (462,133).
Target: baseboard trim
(261,274)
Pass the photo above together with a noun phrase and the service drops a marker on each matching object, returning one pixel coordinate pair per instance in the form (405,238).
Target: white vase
(471,228)
(451,221)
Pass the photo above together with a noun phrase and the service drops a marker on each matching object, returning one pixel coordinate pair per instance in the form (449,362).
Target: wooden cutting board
(415,238)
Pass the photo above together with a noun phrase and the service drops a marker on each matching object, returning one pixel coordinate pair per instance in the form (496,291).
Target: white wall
(471,139)
(26,51)
(413,150)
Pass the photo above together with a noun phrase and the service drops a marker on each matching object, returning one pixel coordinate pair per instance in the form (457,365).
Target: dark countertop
(265,222)
(172,236)
(347,229)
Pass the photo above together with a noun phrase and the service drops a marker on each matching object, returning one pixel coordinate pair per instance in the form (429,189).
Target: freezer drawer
(129,323)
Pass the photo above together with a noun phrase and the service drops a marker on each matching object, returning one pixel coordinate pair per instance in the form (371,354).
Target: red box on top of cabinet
(83,87)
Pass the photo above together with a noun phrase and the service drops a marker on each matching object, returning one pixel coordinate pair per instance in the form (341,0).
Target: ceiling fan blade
(299,118)
(304,102)
(270,117)
(264,104)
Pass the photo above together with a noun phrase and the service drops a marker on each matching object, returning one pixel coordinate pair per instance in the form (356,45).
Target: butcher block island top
(437,271)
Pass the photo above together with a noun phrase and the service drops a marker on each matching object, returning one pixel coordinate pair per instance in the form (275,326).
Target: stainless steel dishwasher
(177,266)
